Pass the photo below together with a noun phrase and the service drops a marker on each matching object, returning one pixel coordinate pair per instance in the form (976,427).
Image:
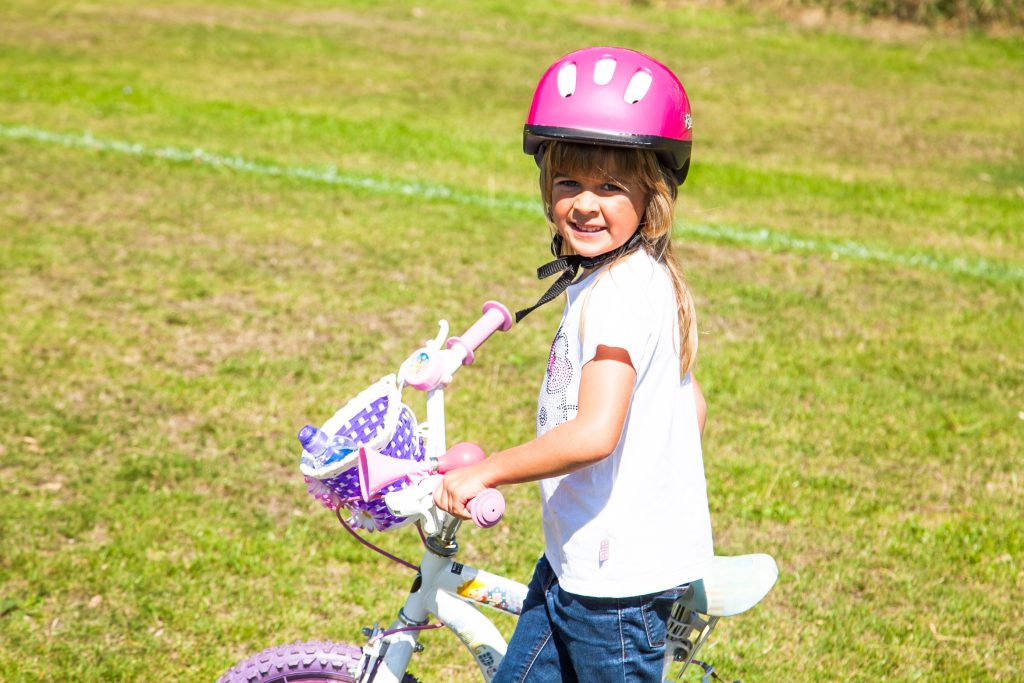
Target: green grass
(969,14)
(850,229)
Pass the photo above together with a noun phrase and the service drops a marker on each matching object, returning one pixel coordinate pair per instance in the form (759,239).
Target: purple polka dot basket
(377,419)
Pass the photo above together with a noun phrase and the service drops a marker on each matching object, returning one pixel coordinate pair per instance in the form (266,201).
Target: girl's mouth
(586,228)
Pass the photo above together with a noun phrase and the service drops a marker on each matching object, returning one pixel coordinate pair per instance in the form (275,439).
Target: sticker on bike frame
(488,658)
(493,596)
(457,568)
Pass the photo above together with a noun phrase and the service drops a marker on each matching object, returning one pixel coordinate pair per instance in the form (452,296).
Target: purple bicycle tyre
(310,662)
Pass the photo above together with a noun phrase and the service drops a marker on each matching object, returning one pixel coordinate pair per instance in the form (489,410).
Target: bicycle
(386,482)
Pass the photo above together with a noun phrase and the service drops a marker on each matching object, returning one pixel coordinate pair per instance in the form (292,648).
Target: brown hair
(639,169)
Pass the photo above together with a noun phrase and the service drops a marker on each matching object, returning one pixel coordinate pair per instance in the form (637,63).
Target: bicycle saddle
(734,585)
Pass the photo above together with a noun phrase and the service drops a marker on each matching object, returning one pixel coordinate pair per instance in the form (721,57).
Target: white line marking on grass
(721,234)
(322,174)
(977,267)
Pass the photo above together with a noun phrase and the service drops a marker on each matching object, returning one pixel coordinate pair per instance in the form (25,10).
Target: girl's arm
(606,385)
(702,406)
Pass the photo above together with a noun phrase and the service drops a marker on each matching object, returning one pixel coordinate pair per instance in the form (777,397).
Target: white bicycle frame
(445,591)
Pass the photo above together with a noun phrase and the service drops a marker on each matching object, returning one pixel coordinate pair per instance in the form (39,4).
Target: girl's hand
(458,488)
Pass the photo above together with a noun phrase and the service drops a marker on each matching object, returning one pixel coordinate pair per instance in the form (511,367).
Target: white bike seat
(734,585)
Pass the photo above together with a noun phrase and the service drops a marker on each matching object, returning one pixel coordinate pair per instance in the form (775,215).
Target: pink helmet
(612,96)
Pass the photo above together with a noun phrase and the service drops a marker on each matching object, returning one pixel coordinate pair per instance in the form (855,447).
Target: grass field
(220,221)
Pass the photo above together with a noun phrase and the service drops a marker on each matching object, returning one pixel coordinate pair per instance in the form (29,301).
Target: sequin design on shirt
(554,401)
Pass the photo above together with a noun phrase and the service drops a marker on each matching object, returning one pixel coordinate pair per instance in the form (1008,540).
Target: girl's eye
(612,187)
(566,182)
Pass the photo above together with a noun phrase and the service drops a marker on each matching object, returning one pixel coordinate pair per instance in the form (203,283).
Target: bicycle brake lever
(417,501)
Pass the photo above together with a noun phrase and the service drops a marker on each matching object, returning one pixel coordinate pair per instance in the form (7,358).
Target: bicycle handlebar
(417,500)
(487,508)
(495,317)
(427,369)
(431,367)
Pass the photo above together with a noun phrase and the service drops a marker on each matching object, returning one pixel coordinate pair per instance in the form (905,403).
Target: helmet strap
(570,267)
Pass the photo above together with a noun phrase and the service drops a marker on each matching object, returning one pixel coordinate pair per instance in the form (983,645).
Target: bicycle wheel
(311,662)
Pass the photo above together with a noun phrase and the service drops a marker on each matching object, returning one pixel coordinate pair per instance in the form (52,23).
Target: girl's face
(594,215)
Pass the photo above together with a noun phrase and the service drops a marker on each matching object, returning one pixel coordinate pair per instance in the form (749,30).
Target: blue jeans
(566,637)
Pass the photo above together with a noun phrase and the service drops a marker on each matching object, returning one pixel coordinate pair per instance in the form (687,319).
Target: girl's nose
(586,202)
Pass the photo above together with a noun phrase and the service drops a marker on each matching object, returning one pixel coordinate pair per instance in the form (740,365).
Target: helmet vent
(604,70)
(567,80)
(638,86)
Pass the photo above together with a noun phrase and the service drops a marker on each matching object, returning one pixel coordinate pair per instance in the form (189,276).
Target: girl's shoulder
(635,286)
(637,274)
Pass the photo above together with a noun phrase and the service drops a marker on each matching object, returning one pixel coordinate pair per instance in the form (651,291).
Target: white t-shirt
(636,522)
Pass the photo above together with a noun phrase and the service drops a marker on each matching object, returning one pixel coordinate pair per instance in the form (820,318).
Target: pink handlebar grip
(487,508)
(496,317)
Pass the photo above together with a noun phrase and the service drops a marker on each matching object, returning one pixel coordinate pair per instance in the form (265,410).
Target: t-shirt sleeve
(615,314)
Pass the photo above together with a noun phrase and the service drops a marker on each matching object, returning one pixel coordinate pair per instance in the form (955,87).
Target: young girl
(618,451)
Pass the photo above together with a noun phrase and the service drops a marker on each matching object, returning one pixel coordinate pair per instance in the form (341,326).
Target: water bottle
(323,456)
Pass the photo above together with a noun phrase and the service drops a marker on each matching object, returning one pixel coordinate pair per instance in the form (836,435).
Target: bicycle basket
(377,419)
